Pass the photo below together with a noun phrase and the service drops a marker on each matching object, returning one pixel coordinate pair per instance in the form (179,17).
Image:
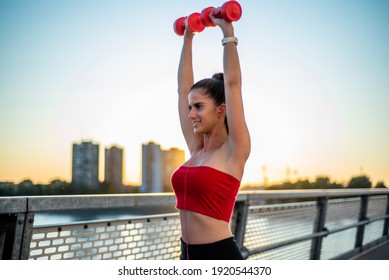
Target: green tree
(360,182)
(322,182)
(302,185)
(380,185)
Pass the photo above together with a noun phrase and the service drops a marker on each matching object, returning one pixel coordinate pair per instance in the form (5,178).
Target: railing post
(238,224)
(386,224)
(27,236)
(319,226)
(2,242)
(11,235)
(362,217)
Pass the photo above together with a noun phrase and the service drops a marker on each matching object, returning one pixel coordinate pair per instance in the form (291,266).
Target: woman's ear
(221,111)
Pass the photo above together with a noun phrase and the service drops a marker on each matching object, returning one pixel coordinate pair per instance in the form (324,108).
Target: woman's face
(202,111)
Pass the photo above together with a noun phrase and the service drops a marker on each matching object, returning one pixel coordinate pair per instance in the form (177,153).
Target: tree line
(324,182)
(28,188)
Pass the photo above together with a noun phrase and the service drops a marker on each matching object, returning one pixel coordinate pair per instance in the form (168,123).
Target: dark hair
(214,88)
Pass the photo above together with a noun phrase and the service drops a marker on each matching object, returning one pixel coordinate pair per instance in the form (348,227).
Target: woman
(212,121)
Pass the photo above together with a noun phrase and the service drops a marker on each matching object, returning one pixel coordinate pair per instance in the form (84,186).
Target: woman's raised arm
(239,137)
(185,81)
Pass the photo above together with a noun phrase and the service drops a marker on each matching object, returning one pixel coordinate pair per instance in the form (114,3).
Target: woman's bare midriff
(201,229)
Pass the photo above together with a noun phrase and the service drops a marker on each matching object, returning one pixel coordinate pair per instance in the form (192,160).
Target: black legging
(225,249)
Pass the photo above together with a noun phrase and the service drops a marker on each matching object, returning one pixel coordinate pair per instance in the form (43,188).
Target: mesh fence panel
(342,212)
(376,206)
(373,231)
(267,225)
(338,243)
(296,251)
(138,239)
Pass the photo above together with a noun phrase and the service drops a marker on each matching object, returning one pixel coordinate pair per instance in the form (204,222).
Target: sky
(315,84)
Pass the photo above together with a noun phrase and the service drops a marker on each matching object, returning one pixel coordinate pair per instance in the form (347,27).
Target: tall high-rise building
(85,164)
(151,168)
(113,173)
(157,167)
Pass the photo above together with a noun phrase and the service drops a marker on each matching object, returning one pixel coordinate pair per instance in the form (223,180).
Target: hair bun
(218,76)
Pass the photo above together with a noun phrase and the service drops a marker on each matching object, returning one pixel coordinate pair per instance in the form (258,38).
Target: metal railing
(318,224)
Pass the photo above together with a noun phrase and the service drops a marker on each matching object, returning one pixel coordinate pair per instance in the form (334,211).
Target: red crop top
(209,191)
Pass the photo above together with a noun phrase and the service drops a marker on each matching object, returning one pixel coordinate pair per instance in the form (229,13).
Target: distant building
(151,168)
(85,164)
(157,167)
(113,172)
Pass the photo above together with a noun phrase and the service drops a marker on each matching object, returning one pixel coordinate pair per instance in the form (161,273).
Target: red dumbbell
(229,11)
(193,22)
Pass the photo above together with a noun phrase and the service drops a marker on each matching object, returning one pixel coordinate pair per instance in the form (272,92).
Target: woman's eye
(196,106)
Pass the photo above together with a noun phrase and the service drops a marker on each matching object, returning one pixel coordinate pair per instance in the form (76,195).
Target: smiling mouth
(195,123)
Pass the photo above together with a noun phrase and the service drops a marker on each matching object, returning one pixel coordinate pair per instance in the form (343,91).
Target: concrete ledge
(12,205)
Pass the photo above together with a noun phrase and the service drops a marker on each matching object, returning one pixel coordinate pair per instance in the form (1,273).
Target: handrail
(13,204)
(88,202)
